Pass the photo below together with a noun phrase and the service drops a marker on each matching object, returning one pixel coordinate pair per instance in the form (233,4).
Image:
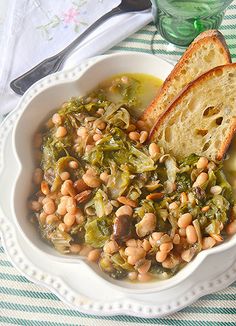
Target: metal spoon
(53,64)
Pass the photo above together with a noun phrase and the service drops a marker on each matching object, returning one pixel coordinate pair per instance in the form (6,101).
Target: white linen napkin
(36,29)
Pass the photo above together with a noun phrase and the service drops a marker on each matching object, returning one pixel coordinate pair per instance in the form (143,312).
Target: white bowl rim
(159,285)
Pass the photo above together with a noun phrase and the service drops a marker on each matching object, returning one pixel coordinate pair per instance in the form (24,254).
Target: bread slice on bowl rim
(175,131)
(207,51)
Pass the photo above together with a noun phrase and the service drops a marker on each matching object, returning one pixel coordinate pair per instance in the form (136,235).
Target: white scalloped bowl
(37,104)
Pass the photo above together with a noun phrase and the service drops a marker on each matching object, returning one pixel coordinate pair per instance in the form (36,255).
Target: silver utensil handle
(52,64)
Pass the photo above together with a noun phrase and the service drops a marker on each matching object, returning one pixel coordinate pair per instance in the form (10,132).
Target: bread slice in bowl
(207,51)
(202,119)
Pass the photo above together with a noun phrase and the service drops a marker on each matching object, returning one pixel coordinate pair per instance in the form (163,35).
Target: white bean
(166,247)
(124,210)
(231,228)
(144,268)
(143,136)
(144,277)
(201,179)
(134,135)
(56,119)
(49,207)
(69,219)
(202,162)
(94,255)
(191,234)
(208,242)
(61,132)
(161,256)
(184,220)
(75,248)
(215,190)
(153,150)
(132,276)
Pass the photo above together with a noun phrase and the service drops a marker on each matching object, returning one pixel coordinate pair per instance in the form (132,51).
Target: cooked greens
(99,191)
(98,231)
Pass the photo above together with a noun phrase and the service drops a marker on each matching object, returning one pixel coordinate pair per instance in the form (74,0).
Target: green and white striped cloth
(24,303)
(149,41)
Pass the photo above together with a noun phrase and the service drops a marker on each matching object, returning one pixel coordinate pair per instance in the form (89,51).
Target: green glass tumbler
(180,21)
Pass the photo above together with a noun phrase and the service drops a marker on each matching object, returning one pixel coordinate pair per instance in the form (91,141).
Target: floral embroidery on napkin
(69,18)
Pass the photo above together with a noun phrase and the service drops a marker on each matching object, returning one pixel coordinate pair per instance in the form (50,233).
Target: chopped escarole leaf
(79,105)
(140,162)
(218,213)
(171,168)
(115,147)
(224,184)
(103,152)
(61,241)
(156,268)
(197,227)
(130,92)
(211,180)
(101,204)
(98,231)
(189,160)
(146,206)
(117,116)
(62,165)
(120,262)
(183,181)
(213,227)
(221,203)
(118,181)
(54,148)
(135,191)
(73,106)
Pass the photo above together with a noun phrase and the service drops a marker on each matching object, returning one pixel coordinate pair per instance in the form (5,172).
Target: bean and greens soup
(103,191)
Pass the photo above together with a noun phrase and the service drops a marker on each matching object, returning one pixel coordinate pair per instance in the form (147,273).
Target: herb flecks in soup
(102,191)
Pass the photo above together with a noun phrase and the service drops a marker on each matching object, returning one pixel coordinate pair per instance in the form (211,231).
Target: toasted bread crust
(232,128)
(217,37)
(223,149)
(211,36)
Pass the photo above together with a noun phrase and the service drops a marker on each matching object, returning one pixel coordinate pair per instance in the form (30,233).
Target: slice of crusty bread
(207,51)
(202,119)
